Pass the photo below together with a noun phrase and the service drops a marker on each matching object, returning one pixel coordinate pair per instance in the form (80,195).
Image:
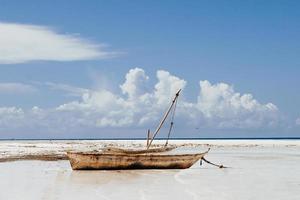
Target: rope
(220,166)
(172,122)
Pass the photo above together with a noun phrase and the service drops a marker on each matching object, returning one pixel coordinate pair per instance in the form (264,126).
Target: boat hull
(104,161)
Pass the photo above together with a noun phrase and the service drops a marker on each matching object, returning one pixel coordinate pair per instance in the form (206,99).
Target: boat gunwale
(137,151)
(136,155)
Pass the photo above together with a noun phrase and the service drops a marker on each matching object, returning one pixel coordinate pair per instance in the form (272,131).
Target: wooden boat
(149,158)
(122,161)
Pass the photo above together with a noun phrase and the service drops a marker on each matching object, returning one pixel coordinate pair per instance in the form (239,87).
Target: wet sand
(256,172)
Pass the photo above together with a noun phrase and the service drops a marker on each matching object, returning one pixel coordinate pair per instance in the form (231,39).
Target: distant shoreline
(205,138)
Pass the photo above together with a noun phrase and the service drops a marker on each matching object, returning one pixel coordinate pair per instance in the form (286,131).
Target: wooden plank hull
(119,161)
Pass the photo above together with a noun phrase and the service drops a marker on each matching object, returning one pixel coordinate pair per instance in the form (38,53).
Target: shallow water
(254,173)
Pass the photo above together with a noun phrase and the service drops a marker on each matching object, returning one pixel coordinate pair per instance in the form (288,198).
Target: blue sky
(60,52)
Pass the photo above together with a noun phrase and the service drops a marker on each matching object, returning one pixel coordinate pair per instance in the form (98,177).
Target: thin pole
(163,119)
(148,137)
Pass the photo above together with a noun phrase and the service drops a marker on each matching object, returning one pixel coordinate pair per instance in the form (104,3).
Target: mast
(148,137)
(164,119)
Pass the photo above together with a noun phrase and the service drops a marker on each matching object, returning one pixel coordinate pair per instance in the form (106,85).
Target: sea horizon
(159,138)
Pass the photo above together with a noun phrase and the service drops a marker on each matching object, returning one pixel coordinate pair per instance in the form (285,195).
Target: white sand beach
(258,169)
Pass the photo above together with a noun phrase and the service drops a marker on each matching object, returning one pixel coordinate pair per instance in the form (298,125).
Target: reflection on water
(130,184)
(94,177)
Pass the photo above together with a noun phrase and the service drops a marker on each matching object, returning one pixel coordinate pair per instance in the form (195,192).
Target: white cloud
(221,104)
(135,84)
(100,101)
(139,108)
(21,43)
(16,88)
(218,106)
(167,86)
(10,111)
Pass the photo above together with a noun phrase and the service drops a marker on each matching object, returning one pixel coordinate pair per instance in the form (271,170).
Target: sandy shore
(257,171)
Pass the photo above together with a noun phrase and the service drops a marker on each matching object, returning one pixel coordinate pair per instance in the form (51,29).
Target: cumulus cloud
(21,43)
(138,108)
(218,106)
(221,104)
(135,83)
(16,88)
(167,86)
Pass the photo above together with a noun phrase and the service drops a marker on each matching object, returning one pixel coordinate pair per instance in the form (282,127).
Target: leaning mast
(174,102)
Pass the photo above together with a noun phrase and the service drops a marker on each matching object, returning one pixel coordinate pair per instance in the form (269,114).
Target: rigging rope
(220,166)
(172,122)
